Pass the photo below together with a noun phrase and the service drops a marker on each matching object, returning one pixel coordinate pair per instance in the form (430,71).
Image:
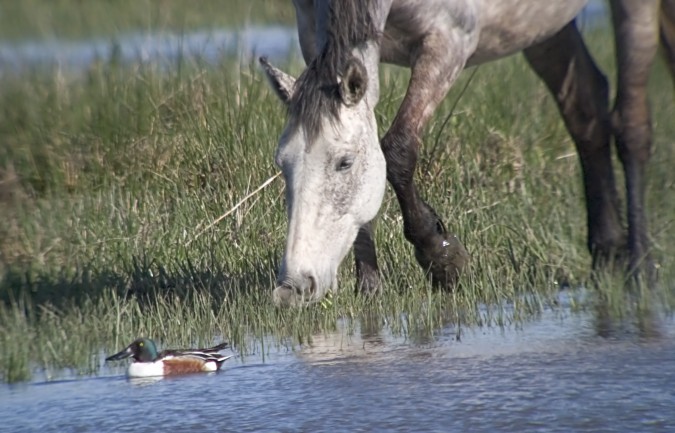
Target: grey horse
(336,167)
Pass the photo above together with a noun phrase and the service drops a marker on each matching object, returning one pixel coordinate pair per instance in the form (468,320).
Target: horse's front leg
(637,38)
(435,69)
(365,257)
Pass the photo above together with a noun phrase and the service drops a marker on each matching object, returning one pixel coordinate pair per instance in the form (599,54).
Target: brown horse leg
(637,37)
(433,72)
(581,92)
(365,257)
(667,28)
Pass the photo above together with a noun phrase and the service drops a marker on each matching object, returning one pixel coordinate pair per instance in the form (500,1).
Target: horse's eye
(344,163)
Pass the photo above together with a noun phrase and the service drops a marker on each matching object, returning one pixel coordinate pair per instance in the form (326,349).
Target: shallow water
(276,42)
(158,48)
(573,373)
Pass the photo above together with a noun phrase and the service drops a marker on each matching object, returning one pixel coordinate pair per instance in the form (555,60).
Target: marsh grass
(107,182)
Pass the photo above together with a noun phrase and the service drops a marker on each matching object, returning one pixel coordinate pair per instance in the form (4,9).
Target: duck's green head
(142,350)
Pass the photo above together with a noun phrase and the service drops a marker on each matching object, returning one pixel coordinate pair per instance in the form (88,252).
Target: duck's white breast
(146,369)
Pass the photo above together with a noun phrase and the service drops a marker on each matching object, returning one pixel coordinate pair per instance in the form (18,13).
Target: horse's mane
(349,24)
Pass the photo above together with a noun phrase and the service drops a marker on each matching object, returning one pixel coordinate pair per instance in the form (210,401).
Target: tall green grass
(108,180)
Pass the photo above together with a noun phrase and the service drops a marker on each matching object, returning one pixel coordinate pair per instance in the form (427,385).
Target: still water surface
(555,374)
(166,49)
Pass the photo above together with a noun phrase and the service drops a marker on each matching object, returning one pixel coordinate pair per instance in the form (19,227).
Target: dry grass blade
(235,207)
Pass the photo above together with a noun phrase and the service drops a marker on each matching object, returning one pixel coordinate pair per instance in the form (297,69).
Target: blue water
(556,374)
(276,42)
(163,48)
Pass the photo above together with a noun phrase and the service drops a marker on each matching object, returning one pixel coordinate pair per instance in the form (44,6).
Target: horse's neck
(369,55)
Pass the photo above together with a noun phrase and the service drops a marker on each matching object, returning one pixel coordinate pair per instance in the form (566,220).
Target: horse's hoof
(644,270)
(444,260)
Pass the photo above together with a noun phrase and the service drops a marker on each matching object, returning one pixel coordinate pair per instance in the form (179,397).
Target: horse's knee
(400,147)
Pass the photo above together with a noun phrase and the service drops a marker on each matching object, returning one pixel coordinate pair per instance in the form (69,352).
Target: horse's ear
(353,83)
(281,82)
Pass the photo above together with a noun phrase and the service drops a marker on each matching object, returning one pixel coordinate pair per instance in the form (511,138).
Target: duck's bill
(125,353)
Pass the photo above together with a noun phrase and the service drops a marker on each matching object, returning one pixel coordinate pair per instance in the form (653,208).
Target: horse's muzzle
(296,293)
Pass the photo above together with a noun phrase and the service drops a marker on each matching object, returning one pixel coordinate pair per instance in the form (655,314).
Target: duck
(148,362)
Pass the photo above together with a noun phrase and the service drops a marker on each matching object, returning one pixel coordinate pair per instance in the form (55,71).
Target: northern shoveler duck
(148,362)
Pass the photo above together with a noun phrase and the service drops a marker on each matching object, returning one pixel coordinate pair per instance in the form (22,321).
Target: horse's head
(334,170)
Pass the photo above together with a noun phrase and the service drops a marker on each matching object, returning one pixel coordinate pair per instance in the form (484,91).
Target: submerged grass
(107,179)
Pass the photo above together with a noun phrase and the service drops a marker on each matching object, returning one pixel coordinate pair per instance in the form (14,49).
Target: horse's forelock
(350,24)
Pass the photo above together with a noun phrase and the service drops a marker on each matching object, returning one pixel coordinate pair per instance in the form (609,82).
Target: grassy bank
(76,20)
(108,181)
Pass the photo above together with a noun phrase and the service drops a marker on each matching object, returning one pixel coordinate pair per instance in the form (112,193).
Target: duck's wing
(217,348)
(206,355)
(208,350)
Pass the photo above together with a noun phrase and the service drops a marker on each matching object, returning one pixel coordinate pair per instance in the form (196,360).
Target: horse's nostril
(312,284)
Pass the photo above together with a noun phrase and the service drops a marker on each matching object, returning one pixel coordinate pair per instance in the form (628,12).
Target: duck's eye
(140,344)
(344,163)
